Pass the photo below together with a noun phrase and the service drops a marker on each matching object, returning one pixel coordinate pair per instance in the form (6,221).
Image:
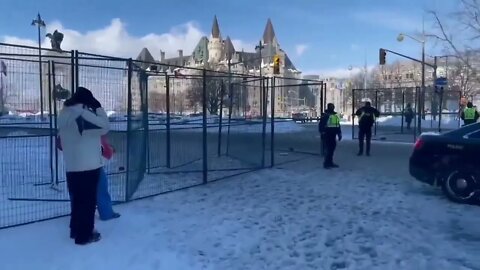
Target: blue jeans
(104,201)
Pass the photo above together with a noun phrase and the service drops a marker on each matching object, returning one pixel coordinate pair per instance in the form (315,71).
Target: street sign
(442,81)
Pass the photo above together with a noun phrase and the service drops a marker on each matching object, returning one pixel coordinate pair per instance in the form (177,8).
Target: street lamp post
(40,23)
(365,71)
(421,97)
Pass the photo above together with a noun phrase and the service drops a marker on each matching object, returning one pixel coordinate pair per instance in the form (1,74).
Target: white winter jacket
(80,131)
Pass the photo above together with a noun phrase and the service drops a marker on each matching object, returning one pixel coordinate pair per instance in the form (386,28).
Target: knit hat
(83,96)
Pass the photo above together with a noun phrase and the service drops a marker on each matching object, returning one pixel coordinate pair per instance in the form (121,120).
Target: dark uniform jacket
(367,116)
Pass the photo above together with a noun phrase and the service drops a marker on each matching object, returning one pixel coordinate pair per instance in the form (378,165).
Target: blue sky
(320,36)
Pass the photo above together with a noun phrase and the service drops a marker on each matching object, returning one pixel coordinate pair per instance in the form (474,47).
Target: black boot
(95,237)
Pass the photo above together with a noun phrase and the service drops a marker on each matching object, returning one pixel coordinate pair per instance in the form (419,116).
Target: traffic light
(383,55)
(276,64)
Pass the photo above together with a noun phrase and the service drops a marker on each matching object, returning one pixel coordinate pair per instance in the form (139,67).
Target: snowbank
(448,121)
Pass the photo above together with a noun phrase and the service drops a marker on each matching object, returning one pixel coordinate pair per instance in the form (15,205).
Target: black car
(451,161)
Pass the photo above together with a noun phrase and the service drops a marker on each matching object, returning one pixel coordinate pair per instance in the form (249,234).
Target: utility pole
(40,23)
(365,73)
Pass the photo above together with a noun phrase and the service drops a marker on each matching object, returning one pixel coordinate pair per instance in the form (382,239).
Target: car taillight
(419,144)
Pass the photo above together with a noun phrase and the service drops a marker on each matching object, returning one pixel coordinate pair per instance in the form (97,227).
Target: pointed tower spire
(229,48)
(269,33)
(215,28)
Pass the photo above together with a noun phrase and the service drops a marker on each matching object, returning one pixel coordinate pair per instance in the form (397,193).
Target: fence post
(167,107)
(50,124)
(417,115)
(353,114)
(54,101)
(322,98)
(146,122)
(219,146)
(204,107)
(230,109)
(72,70)
(325,95)
(376,106)
(264,122)
(272,123)
(403,109)
(129,125)
(76,71)
(440,111)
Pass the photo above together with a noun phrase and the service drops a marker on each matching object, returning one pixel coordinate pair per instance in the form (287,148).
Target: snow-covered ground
(367,215)
(448,122)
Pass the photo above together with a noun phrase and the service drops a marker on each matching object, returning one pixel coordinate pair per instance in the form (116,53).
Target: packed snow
(367,215)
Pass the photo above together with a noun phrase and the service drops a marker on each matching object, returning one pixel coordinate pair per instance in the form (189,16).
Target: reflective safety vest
(469,113)
(333,121)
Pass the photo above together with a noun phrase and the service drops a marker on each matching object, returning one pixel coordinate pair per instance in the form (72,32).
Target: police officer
(469,115)
(366,118)
(329,128)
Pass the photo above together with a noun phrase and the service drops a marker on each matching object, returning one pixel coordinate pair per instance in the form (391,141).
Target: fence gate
(300,101)
(440,114)
(32,182)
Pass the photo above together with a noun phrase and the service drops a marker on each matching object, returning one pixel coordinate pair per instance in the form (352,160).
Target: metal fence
(441,111)
(170,130)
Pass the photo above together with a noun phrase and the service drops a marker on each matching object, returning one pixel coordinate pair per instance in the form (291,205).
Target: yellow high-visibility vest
(469,113)
(333,121)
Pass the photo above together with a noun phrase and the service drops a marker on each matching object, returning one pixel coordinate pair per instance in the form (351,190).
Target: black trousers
(409,123)
(364,133)
(82,187)
(330,143)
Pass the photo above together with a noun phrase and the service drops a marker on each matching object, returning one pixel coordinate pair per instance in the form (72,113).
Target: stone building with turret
(219,54)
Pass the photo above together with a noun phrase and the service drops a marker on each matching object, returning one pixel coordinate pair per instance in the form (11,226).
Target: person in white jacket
(81,123)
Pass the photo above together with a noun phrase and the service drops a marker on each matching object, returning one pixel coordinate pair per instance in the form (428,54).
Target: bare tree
(157,102)
(465,23)
(215,92)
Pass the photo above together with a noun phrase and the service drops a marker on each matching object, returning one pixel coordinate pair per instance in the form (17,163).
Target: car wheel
(460,187)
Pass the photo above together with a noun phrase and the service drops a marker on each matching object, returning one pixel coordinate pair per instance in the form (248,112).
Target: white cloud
(239,45)
(115,40)
(300,49)
(338,72)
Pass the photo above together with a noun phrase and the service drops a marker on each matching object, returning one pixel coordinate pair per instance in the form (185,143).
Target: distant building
(334,91)
(219,54)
